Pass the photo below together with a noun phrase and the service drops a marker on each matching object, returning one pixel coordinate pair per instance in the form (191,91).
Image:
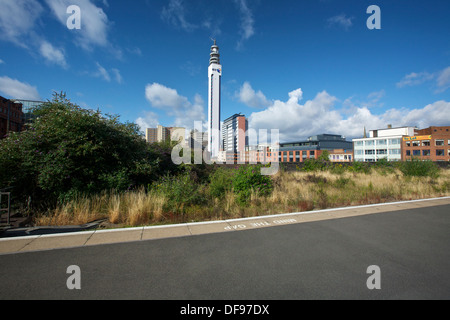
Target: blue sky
(304,67)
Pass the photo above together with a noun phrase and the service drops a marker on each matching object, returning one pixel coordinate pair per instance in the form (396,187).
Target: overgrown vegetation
(79,165)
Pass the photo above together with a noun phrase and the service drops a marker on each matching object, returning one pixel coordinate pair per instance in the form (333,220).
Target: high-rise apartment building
(214,75)
(161,134)
(234,134)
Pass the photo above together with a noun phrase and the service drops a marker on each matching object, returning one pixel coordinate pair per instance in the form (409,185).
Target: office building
(27,109)
(11,117)
(313,147)
(381,144)
(432,143)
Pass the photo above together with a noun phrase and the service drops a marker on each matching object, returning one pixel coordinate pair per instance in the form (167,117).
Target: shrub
(221,181)
(310,165)
(418,168)
(179,191)
(360,167)
(248,179)
(68,150)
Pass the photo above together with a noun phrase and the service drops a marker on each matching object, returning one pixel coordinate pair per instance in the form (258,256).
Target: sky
(304,67)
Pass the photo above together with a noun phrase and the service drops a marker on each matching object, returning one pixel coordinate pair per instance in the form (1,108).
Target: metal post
(8,219)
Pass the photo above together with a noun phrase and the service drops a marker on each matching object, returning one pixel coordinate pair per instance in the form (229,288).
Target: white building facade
(214,75)
(381,144)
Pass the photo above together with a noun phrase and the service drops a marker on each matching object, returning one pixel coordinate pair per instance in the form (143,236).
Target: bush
(221,181)
(179,191)
(310,165)
(248,179)
(360,167)
(418,168)
(68,151)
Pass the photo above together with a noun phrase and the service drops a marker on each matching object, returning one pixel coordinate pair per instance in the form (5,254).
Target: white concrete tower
(214,75)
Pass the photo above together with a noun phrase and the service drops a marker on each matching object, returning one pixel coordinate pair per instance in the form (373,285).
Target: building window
(369,143)
(408,143)
(394,141)
(416,144)
(440,142)
(381,142)
(359,152)
(382,151)
(395,151)
(408,152)
(368,152)
(426,153)
(426,143)
(359,143)
(416,153)
(439,152)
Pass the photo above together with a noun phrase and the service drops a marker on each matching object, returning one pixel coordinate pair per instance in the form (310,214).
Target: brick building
(11,117)
(432,143)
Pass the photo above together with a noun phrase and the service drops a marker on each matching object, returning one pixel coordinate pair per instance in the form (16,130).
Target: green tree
(68,150)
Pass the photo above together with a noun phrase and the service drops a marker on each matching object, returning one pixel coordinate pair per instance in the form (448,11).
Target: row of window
(12,113)
(378,151)
(378,142)
(427,143)
(439,152)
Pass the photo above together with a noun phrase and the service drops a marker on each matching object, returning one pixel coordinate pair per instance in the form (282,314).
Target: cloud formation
(52,54)
(341,21)
(297,121)
(175,14)
(94,22)
(247,29)
(14,89)
(252,98)
(175,105)
(441,79)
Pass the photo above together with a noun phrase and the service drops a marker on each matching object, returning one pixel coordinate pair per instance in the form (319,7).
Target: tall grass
(290,192)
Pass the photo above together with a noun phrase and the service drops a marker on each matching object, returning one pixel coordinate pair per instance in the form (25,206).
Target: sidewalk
(97,237)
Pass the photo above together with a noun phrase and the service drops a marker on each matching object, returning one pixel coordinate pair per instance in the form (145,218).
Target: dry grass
(293,192)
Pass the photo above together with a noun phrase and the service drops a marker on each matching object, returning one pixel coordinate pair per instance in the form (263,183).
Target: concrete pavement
(98,237)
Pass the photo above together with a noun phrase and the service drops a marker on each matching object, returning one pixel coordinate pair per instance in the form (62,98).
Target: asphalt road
(315,260)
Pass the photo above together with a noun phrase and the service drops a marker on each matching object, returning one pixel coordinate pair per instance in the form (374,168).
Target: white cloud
(104,74)
(52,54)
(18,19)
(414,79)
(101,73)
(14,89)
(251,98)
(177,106)
(175,14)
(341,20)
(94,22)
(297,121)
(443,80)
(247,29)
(1,61)
(149,120)
(117,75)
